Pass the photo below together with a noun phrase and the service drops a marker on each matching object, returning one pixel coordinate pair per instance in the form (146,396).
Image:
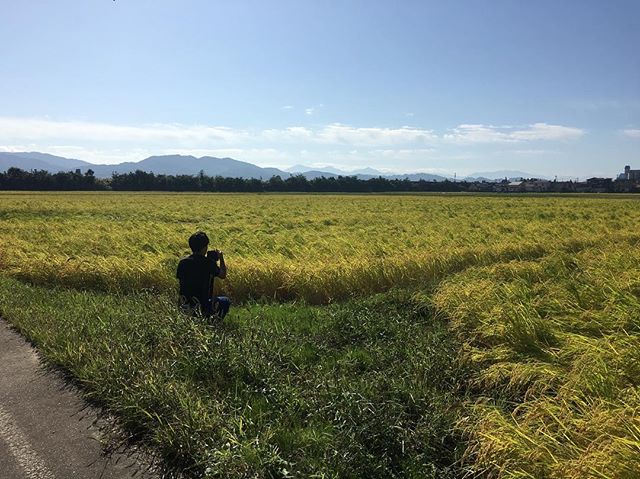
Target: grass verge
(369,388)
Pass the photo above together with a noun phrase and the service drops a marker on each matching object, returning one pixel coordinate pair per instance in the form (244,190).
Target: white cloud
(194,136)
(343,134)
(41,129)
(404,153)
(632,133)
(111,143)
(475,133)
(544,131)
(312,110)
(338,134)
(287,107)
(18,148)
(203,136)
(532,152)
(290,134)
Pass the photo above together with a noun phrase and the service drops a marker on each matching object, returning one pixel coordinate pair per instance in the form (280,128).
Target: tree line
(18,179)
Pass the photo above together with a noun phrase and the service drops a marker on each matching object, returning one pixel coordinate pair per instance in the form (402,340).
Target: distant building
(536,186)
(600,185)
(631,175)
(515,186)
(482,186)
(562,187)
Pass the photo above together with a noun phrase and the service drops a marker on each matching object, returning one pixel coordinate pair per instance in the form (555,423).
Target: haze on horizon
(545,87)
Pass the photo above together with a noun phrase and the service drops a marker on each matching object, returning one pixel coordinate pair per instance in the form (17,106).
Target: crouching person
(195,274)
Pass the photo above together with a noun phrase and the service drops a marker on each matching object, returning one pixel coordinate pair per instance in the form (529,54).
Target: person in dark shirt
(195,274)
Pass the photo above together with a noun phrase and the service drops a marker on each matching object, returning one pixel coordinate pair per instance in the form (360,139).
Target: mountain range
(502,174)
(211,166)
(166,164)
(335,171)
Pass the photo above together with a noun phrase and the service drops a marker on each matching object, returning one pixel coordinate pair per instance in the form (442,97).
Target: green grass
(369,388)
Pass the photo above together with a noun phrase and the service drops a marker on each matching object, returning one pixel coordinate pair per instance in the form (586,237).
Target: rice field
(286,247)
(371,336)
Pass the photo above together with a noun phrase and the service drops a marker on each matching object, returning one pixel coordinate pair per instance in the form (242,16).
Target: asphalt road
(46,430)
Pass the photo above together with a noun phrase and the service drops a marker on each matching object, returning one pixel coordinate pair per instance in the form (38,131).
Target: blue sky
(546,87)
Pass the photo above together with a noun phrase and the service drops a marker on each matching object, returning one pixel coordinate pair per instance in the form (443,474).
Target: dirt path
(46,430)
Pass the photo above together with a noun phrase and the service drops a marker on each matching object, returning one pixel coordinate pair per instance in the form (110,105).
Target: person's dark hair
(198,240)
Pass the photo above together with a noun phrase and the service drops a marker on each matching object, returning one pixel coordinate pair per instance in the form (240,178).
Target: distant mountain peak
(299,168)
(34,160)
(367,171)
(501,174)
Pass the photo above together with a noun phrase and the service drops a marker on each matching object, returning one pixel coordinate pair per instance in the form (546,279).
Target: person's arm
(222,274)
(180,270)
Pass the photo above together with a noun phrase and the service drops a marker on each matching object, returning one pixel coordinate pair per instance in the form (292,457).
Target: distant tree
(275,183)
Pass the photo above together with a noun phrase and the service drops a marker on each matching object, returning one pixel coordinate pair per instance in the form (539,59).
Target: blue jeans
(219,306)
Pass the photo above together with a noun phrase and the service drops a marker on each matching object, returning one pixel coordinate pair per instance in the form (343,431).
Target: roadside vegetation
(365,389)
(372,336)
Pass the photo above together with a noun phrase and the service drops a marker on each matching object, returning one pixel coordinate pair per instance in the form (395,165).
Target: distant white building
(515,186)
(631,175)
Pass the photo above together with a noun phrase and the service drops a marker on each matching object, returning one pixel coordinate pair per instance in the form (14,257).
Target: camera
(213,255)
